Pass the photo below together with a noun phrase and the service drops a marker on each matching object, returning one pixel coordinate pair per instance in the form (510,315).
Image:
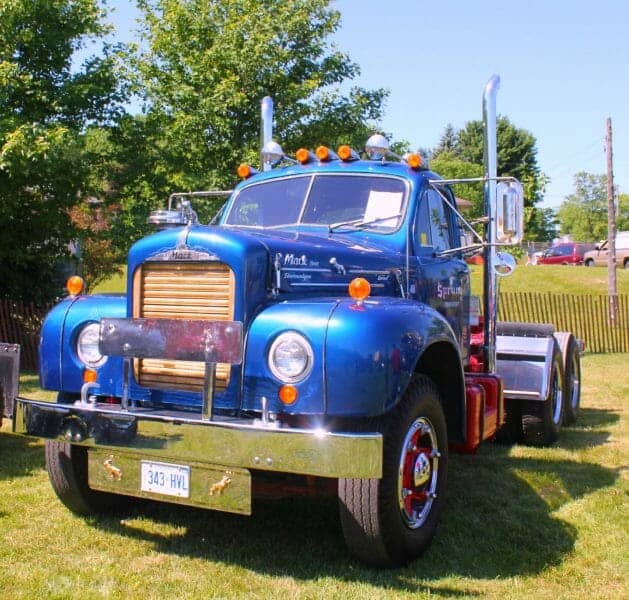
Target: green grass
(562,279)
(555,279)
(519,523)
(115,284)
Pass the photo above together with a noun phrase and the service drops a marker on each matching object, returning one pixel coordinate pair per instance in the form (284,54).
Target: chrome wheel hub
(422,470)
(418,472)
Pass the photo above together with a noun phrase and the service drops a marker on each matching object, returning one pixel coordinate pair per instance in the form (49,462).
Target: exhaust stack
(490,286)
(266,128)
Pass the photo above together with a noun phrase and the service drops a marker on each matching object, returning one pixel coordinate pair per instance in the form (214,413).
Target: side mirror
(504,264)
(509,212)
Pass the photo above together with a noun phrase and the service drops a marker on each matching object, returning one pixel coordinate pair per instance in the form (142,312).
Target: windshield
(363,201)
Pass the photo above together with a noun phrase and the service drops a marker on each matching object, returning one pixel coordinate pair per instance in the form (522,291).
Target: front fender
(59,366)
(372,350)
(364,354)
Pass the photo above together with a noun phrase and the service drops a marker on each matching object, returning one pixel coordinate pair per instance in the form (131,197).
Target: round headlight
(290,357)
(87,346)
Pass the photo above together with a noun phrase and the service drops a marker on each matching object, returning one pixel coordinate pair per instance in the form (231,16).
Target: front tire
(67,469)
(390,521)
(541,420)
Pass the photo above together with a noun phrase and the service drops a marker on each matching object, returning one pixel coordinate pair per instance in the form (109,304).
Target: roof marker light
(346,153)
(413,160)
(245,171)
(324,154)
(304,156)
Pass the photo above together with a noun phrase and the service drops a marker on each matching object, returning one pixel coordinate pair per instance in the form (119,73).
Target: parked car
(598,256)
(567,253)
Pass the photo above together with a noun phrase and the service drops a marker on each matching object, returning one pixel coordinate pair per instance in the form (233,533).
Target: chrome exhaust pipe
(490,284)
(266,129)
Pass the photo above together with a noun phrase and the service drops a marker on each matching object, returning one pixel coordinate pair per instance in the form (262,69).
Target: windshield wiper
(359,223)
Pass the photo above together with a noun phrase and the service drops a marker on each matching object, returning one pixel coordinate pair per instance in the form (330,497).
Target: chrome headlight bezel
(87,346)
(290,357)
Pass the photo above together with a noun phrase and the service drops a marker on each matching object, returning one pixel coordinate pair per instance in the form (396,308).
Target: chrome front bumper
(231,443)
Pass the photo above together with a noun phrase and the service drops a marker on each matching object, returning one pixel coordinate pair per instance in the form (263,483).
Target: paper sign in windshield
(385,206)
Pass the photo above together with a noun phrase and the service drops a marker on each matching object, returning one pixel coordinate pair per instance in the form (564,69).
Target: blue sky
(564,68)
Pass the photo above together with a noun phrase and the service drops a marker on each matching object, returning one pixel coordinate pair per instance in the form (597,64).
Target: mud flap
(9,377)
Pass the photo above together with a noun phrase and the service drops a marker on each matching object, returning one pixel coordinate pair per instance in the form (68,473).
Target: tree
(206,67)
(583,214)
(451,167)
(622,213)
(517,157)
(45,105)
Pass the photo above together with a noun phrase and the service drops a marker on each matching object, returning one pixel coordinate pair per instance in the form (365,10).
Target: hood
(322,264)
(289,262)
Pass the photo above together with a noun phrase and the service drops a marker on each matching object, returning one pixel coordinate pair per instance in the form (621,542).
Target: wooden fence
(20,324)
(586,316)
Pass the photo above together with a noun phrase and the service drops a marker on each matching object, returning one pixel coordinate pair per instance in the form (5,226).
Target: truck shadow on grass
(498,523)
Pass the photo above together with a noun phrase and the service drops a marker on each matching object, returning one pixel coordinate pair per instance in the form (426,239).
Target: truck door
(443,278)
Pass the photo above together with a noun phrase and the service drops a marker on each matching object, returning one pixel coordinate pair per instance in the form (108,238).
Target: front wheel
(589,262)
(67,469)
(390,521)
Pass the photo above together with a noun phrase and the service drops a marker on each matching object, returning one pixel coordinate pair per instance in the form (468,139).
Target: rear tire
(572,376)
(67,469)
(511,432)
(541,420)
(390,521)
(589,262)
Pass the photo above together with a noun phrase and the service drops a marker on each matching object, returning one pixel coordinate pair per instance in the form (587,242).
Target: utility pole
(611,231)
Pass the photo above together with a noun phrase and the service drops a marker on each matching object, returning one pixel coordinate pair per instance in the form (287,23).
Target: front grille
(182,290)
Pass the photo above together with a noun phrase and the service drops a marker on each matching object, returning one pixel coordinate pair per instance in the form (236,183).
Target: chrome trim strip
(331,284)
(238,443)
(522,394)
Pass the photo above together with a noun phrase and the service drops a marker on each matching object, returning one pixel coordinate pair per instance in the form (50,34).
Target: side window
(434,222)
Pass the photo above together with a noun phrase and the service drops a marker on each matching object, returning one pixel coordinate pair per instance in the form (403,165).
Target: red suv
(567,253)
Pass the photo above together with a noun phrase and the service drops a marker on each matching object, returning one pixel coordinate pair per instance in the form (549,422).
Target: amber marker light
(288,394)
(344,152)
(74,285)
(302,155)
(243,170)
(347,154)
(359,289)
(323,153)
(89,376)
(414,161)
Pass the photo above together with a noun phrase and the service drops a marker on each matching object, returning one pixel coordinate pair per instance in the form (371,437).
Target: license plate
(164,478)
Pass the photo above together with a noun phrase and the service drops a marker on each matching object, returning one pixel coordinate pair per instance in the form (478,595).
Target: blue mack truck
(320,337)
